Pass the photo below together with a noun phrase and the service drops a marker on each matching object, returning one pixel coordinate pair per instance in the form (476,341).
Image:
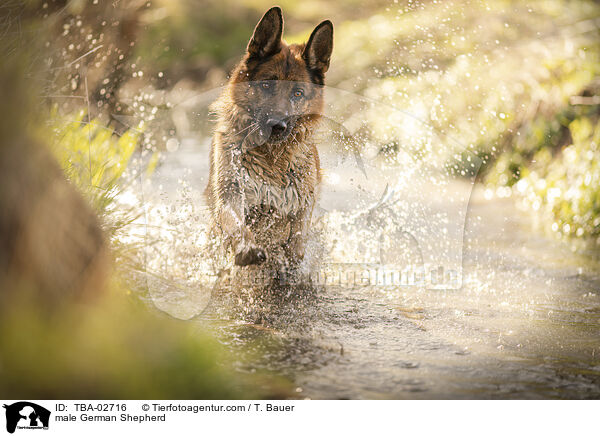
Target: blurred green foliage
(564,184)
(185,38)
(92,156)
(548,155)
(112,349)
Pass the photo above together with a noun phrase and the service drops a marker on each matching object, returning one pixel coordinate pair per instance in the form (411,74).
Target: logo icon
(26,415)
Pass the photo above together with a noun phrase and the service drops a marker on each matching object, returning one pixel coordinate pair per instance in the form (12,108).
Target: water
(524,324)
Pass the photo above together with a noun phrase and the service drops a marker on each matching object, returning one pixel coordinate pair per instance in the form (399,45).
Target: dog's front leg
(231,220)
(295,245)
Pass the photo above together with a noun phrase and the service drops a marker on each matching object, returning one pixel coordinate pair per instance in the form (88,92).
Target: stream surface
(525,324)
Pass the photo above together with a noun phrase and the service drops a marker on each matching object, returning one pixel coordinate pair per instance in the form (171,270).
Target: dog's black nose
(278,126)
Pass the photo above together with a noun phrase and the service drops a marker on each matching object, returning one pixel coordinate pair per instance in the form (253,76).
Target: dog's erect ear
(319,47)
(266,40)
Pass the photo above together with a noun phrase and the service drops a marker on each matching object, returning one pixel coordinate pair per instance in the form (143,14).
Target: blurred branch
(581,100)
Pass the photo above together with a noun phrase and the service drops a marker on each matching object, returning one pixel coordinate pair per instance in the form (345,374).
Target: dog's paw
(250,255)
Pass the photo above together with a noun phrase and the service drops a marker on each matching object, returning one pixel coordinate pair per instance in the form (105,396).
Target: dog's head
(279,86)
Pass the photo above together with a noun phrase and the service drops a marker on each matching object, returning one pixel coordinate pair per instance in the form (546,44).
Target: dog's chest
(284,190)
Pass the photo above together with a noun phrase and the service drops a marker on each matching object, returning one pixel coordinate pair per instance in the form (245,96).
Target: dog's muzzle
(277,129)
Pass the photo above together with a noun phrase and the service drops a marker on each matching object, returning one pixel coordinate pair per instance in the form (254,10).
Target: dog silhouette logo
(26,415)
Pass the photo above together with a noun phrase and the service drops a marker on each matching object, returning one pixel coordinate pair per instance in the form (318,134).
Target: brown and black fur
(264,169)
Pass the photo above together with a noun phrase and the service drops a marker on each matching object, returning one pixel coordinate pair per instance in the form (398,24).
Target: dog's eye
(298,93)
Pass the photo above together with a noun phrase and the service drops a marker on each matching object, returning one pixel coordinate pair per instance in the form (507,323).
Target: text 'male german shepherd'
(264,169)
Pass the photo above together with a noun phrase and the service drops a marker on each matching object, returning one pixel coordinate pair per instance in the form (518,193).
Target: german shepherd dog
(264,169)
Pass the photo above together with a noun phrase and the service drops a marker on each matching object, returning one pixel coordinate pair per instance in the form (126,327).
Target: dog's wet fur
(264,168)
